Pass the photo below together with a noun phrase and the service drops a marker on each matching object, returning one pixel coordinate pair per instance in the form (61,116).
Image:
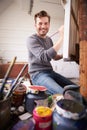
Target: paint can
(43,118)
(69,115)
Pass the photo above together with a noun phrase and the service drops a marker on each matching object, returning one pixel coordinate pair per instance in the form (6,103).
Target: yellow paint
(43,111)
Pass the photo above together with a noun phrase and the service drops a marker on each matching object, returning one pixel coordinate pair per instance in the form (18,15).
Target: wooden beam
(74,17)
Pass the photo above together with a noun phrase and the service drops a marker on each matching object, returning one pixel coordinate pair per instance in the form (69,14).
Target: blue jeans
(53,81)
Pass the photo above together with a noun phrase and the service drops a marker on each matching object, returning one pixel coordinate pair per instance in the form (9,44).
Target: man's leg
(61,80)
(44,79)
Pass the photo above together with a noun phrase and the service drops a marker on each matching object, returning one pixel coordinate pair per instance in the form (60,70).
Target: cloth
(69,69)
(24,125)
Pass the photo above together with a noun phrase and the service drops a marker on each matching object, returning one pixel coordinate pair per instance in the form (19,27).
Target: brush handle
(54,34)
(6,76)
(15,82)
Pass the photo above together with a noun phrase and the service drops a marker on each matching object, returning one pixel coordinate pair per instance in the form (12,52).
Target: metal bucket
(5,106)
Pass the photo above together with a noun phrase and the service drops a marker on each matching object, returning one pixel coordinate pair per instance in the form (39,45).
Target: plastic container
(32,100)
(43,118)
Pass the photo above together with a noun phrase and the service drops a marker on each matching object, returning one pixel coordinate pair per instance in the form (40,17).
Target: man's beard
(43,33)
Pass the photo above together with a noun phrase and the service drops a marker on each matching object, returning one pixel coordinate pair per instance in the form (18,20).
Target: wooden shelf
(15,70)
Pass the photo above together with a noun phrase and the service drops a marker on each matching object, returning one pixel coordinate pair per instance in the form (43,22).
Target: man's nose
(43,25)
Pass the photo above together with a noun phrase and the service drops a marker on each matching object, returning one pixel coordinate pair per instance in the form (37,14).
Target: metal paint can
(69,115)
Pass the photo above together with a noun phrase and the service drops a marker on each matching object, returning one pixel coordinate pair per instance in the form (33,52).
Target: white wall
(15,26)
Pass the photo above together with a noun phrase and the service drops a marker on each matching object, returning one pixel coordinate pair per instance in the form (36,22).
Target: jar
(18,95)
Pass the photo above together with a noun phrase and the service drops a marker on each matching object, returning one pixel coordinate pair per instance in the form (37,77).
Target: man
(41,51)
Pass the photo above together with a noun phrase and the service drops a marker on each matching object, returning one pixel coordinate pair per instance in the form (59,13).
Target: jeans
(53,81)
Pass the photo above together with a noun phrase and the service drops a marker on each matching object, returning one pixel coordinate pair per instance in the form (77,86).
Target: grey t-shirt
(40,53)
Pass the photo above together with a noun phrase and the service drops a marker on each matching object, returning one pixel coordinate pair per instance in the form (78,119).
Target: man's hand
(58,57)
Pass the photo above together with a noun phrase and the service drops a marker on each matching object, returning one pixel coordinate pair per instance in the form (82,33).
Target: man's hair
(42,14)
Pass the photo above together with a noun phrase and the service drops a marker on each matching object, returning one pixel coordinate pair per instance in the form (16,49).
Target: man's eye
(40,23)
(46,23)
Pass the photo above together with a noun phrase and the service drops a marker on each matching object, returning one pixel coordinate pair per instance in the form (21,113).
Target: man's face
(42,26)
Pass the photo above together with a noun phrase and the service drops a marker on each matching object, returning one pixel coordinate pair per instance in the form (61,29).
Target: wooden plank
(83,68)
